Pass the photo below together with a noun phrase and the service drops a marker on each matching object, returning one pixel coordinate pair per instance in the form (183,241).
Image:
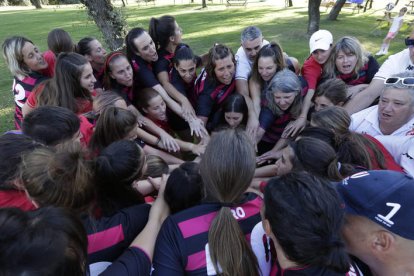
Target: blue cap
(385,197)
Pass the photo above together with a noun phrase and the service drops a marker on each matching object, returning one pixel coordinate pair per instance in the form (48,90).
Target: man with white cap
(379,220)
(320,45)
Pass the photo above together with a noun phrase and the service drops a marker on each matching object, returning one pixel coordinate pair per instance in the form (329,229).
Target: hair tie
(336,243)
(110,57)
(226,204)
(339,165)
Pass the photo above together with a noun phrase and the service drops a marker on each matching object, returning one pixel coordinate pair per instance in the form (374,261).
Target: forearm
(265,171)
(171,90)
(259,134)
(254,89)
(173,105)
(153,128)
(174,93)
(147,137)
(147,237)
(280,144)
(366,97)
(185,146)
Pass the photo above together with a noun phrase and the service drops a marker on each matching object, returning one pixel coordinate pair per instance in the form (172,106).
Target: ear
(88,57)
(383,241)
(145,110)
(172,38)
(111,75)
(341,104)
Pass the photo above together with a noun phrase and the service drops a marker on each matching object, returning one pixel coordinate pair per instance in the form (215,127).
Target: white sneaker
(380,53)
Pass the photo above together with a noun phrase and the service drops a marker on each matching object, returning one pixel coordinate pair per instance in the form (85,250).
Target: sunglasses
(408,81)
(409,42)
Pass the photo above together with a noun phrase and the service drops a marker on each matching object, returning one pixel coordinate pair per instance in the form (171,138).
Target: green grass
(202,28)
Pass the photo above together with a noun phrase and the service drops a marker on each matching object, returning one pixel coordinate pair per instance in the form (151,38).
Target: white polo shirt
(366,122)
(397,63)
(402,149)
(244,64)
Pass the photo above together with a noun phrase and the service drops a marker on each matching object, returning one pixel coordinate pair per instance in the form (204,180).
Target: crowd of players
(155,160)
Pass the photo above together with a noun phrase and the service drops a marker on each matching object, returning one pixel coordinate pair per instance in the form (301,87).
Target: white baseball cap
(321,39)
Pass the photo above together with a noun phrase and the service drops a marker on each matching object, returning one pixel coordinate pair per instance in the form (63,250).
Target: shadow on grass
(202,28)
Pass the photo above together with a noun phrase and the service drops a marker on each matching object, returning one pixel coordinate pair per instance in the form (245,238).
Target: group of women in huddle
(150,95)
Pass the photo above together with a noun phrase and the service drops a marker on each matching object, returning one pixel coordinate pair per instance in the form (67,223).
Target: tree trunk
(333,15)
(109,21)
(204,4)
(36,3)
(288,3)
(314,16)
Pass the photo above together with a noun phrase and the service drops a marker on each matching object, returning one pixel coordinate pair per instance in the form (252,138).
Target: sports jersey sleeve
(266,118)
(133,261)
(146,77)
(108,237)
(204,103)
(312,72)
(177,82)
(373,68)
(167,256)
(162,65)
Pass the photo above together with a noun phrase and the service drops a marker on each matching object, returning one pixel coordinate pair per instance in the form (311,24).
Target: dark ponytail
(317,157)
(161,29)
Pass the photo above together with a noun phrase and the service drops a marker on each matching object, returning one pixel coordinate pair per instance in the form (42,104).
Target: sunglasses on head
(409,42)
(408,81)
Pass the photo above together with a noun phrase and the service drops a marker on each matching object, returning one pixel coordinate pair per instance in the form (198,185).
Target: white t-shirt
(400,62)
(366,122)
(395,26)
(402,149)
(244,64)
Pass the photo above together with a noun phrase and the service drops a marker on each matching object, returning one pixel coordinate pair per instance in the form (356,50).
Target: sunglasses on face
(409,42)
(408,81)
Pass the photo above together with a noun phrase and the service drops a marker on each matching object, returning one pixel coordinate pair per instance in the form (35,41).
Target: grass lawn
(202,28)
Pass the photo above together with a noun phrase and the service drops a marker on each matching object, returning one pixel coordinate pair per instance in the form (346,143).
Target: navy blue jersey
(210,97)
(143,75)
(108,237)
(183,239)
(164,62)
(133,261)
